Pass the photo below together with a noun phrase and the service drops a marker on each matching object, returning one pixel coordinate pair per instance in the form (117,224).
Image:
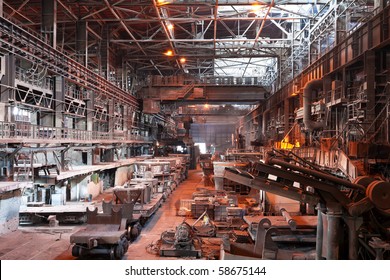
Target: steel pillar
(59,100)
(111,119)
(104,53)
(125,122)
(89,122)
(81,42)
(7,86)
(320,232)
(340,26)
(49,21)
(333,233)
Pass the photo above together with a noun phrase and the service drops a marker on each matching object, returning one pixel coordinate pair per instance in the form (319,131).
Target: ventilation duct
(307,103)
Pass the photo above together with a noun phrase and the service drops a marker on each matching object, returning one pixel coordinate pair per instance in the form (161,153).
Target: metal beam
(163,23)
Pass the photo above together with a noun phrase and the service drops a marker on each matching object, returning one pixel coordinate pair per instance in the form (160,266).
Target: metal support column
(108,154)
(89,120)
(104,53)
(340,26)
(49,21)
(7,86)
(320,233)
(387,127)
(111,118)
(125,120)
(81,42)
(333,233)
(59,100)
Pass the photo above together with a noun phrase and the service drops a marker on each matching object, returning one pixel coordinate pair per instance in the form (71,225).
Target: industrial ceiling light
(170,26)
(256,7)
(162,2)
(169,53)
(183,60)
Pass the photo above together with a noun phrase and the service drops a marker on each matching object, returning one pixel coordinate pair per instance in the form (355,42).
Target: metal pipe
(291,222)
(320,233)
(333,236)
(358,208)
(270,186)
(317,174)
(307,102)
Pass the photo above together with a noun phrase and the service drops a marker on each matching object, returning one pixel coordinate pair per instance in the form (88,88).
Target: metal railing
(205,80)
(39,80)
(29,132)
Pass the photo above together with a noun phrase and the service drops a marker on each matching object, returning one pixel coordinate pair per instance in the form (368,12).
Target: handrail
(31,133)
(205,80)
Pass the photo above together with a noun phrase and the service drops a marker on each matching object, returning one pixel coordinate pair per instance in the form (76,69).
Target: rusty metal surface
(103,233)
(93,217)
(291,222)
(289,177)
(379,194)
(123,195)
(270,186)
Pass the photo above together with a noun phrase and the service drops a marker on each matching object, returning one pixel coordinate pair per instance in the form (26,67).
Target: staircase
(186,91)
(22,168)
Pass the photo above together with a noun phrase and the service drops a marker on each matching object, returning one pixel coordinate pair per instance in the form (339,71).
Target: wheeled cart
(108,233)
(109,240)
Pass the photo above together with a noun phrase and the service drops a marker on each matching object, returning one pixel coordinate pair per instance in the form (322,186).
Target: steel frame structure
(198,31)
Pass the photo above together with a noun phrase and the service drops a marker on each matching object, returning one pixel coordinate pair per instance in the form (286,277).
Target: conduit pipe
(310,125)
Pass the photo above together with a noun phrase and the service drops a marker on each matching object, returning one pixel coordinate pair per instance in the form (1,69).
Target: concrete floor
(52,243)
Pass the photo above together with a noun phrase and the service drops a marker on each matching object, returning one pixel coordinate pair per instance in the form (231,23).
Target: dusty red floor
(52,243)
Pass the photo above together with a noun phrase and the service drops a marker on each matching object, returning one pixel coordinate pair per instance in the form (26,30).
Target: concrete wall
(9,213)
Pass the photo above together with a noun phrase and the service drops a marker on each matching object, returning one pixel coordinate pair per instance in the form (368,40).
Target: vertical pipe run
(333,236)
(310,125)
(320,229)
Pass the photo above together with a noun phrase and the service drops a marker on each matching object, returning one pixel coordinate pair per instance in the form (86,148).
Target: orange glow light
(183,60)
(170,26)
(256,7)
(168,53)
(163,2)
